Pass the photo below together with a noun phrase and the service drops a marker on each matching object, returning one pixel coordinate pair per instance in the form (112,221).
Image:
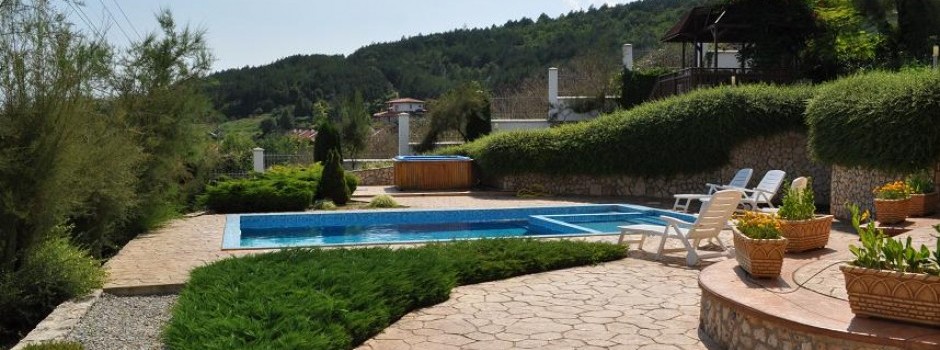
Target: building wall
(785,151)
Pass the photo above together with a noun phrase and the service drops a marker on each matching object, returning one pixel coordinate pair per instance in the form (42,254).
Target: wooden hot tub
(433,172)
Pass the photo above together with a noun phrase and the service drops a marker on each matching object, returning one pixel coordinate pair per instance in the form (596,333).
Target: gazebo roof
(731,24)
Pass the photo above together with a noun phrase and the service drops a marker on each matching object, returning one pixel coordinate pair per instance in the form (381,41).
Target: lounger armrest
(726,187)
(712,188)
(674,221)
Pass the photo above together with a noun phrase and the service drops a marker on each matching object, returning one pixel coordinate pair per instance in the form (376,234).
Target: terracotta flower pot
(923,204)
(762,258)
(892,211)
(912,297)
(808,234)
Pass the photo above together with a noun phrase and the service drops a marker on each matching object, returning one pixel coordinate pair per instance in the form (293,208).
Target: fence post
(628,56)
(258,159)
(404,134)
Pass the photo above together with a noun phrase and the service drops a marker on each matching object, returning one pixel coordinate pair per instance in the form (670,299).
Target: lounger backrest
(771,184)
(741,178)
(799,184)
(715,214)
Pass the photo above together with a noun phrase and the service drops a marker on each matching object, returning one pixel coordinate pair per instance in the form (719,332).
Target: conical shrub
(333,182)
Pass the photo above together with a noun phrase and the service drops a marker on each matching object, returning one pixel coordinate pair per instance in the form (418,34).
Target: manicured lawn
(336,299)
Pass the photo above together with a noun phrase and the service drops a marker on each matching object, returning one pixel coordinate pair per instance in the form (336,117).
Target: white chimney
(628,56)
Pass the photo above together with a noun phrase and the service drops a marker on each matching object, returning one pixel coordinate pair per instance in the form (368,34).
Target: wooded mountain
(425,66)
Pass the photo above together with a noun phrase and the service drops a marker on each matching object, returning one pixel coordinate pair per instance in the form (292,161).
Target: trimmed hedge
(683,134)
(338,298)
(879,120)
(259,195)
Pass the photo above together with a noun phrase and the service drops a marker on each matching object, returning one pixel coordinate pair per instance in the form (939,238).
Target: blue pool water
(253,231)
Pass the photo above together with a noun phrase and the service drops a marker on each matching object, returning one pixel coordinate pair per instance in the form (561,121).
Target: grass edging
(338,298)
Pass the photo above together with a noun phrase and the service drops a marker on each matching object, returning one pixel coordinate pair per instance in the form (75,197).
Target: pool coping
(232,233)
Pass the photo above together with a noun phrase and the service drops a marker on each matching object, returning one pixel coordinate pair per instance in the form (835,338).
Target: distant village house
(397,106)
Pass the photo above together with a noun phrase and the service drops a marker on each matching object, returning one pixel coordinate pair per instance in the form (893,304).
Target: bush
(324,205)
(53,272)
(682,134)
(383,201)
(333,185)
(352,182)
(338,298)
(259,195)
(879,120)
(280,188)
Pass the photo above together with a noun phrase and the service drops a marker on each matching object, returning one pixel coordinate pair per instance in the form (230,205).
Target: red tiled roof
(305,133)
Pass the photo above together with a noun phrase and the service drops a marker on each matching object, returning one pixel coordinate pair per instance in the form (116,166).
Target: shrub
(879,120)
(324,205)
(259,195)
(682,134)
(338,298)
(798,205)
(64,345)
(53,272)
(333,185)
(383,201)
(352,182)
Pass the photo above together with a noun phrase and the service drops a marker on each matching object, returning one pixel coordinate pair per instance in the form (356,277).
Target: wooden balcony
(689,79)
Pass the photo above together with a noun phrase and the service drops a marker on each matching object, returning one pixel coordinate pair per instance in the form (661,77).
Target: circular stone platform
(806,308)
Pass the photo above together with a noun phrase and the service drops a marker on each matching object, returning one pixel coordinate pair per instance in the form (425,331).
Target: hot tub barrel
(433,172)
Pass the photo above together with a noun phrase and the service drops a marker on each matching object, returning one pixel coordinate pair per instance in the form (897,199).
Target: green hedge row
(282,188)
(879,120)
(338,298)
(684,134)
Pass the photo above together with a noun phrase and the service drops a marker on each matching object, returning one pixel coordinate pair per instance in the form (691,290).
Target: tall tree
(356,125)
(465,109)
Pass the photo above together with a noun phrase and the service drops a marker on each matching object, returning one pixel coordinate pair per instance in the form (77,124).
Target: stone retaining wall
(58,324)
(732,328)
(855,185)
(786,151)
(376,177)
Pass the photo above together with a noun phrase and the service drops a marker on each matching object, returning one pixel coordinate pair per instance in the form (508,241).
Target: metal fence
(519,107)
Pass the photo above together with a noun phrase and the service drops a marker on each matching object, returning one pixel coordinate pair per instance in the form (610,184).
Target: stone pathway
(627,304)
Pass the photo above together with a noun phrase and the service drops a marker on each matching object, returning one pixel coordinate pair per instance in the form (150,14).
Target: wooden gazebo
(716,25)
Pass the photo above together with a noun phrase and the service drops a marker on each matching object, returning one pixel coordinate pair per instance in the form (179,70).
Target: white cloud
(584,4)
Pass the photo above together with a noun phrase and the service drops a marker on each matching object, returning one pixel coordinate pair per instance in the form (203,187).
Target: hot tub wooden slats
(433,175)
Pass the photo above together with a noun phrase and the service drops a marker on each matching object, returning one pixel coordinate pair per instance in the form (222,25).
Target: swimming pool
(263,231)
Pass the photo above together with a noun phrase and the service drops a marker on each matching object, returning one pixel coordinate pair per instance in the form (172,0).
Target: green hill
(424,66)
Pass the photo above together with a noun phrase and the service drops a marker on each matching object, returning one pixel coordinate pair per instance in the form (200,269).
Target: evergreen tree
(356,123)
(328,139)
(333,182)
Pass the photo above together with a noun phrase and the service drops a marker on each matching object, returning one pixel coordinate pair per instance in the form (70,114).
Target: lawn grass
(336,299)
(247,126)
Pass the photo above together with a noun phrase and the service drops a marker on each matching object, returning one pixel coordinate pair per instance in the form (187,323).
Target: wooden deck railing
(690,79)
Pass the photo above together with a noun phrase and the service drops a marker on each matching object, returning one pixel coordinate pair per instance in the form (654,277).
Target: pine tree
(327,140)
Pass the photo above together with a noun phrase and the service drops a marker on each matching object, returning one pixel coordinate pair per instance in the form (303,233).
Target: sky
(256,32)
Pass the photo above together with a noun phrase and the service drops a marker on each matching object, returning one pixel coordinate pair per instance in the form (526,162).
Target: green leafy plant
(798,205)
(756,225)
(324,205)
(56,345)
(383,201)
(338,298)
(878,251)
(920,182)
(892,191)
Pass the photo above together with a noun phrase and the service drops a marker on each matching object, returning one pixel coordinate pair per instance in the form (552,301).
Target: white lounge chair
(712,218)
(764,192)
(740,180)
(798,184)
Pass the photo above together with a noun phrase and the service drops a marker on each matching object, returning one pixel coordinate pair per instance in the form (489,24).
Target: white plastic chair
(712,218)
(740,180)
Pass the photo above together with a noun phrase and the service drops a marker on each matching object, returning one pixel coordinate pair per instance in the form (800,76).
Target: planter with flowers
(890,278)
(758,245)
(892,202)
(799,223)
(924,197)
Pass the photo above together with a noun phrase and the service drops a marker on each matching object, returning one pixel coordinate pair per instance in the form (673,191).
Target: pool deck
(634,303)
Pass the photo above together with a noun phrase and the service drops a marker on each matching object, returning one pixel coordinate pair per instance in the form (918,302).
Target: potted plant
(924,197)
(758,245)
(799,223)
(891,279)
(891,202)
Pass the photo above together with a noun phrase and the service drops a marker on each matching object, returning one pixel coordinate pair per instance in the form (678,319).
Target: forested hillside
(425,66)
